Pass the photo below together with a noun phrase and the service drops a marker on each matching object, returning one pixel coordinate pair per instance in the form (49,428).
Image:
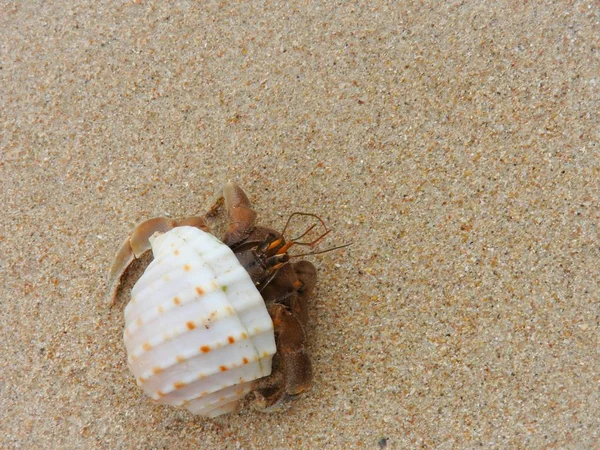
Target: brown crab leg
(307,278)
(139,243)
(293,374)
(291,346)
(240,212)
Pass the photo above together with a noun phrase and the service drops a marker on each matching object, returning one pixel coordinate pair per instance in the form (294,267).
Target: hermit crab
(210,321)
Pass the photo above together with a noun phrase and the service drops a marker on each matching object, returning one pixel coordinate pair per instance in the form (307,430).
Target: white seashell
(197,331)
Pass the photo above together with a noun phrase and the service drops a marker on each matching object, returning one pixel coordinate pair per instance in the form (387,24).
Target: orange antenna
(303,214)
(321,251)
(295,241)
(313,243)
(305,233)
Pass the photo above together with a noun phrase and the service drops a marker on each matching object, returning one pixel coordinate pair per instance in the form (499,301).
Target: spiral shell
(197,331)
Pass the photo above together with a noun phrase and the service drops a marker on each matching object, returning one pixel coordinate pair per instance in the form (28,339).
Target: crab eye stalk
(276,261)
(268,244)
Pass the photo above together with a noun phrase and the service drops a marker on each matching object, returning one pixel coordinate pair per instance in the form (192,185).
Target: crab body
(179,353)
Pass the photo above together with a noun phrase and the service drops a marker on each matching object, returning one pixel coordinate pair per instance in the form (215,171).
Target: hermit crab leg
(293,361)
(240,212)
(139,243)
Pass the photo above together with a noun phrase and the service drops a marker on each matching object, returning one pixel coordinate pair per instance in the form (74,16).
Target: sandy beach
(455,144)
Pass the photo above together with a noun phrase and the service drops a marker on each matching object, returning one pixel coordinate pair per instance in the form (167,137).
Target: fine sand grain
(454,143)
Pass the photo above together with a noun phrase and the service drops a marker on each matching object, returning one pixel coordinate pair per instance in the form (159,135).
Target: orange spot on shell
(245,360)
(205,349)
(244,335)
(187,267)
(142,380)
(231,339)
(176,252)
(177,301)
(147,346)
(223,368)
(156,370)
(161,309)
(178,384)
(190,325)
(180,358)
(199,290)
(160,393)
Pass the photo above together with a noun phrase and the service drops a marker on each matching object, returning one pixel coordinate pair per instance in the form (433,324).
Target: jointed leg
(307,275)
(292,371)
(240,212)
(139,243)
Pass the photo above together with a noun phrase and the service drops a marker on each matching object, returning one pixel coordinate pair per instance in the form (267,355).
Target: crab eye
(270,242)
(277,260)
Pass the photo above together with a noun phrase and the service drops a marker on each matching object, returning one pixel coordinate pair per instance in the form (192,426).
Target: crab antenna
(301,254)
(287,246)
(305,233)
(302,214)
(321,251)
(313,243)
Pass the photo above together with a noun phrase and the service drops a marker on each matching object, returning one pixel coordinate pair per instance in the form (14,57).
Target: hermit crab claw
(240,212)
(139,243)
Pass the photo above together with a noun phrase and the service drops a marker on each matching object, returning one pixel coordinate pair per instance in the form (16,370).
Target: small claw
(240,213)
(272,399)
(307,274)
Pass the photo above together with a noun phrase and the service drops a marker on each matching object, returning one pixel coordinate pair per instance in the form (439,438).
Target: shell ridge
(157,279)
(185,298)
(228,307)
(239,275)
(231,254)
(150,313)
(199,354)
(198,333)
(214,316)
(212,401)
(159,244)
(193,384)
(162,253)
